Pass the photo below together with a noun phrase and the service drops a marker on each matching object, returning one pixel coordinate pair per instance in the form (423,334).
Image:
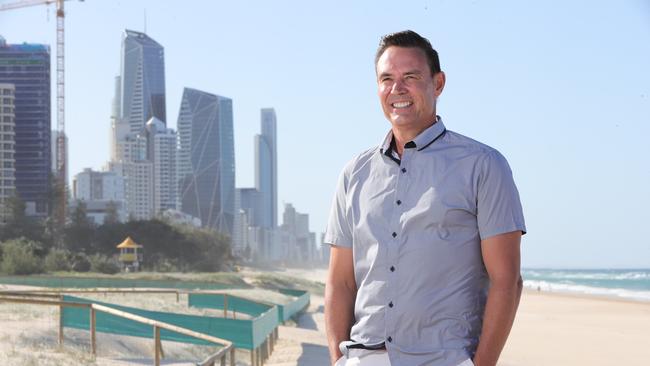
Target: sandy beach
(551,329)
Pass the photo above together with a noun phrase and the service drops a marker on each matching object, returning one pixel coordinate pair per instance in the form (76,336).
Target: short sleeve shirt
(415,227)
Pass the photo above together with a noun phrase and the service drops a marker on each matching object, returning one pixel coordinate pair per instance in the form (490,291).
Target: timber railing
(258,334)
(220,355)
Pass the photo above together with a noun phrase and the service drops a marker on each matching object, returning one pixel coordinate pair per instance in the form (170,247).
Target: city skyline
(528,79)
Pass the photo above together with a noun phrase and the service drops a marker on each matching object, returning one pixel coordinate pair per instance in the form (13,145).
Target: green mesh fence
(247,334)
(300,303)
(91,282)
(285,311)
(234,303)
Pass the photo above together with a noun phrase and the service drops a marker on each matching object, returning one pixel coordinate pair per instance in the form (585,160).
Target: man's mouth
(401,104)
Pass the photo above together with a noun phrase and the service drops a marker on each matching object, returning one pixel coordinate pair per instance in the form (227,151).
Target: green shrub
(165,265)
(80,263)
(18,257)
(58,260)
(103,264)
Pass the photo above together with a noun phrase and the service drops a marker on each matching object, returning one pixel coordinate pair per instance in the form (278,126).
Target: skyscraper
(140,97)
(206,159)
(132,164)
(7,147)
(266,168)
(27,67)
(161,146)
(142,78)
(102,192)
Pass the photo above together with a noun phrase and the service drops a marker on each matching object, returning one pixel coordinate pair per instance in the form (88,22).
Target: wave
(588,275)
(588,290)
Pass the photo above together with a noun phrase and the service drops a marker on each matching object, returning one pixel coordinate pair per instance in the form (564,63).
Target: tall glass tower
(27,67)
(139,98)
(142,91)
(266,168)
(206,159)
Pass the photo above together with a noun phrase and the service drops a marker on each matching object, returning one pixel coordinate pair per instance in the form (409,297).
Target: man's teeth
(401,104)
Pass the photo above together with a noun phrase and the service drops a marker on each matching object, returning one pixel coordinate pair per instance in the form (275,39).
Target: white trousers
(376,358)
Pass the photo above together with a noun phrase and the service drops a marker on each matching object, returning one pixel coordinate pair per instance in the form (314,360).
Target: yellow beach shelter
(130,255)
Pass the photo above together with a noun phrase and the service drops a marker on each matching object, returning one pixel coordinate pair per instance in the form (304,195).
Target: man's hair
(408,38)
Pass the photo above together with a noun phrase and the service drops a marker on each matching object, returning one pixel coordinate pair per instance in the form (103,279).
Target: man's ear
(439,81)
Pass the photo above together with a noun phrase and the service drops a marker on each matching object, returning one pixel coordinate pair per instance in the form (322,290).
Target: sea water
(633,284)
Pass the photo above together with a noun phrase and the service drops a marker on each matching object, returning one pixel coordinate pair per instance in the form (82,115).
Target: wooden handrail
(44,302)
(220,354)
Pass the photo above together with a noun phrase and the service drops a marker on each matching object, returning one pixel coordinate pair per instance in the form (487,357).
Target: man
(424,231)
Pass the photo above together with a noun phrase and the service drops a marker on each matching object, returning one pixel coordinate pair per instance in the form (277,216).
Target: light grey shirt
(415,227)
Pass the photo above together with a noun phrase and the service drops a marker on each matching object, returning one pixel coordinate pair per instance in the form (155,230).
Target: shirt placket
(396,240)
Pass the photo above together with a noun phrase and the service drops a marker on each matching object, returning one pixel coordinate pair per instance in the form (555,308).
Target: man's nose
(398,87)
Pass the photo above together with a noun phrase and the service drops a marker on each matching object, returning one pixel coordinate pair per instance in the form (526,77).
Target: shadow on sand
(313,354)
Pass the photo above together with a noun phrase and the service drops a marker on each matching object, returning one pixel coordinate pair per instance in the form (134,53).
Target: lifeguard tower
(130,255)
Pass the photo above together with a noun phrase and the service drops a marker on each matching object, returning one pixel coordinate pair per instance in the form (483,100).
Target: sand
(550,330)
(560,329)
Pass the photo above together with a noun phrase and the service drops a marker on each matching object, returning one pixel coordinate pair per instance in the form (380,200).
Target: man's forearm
(339,316)
(500,310)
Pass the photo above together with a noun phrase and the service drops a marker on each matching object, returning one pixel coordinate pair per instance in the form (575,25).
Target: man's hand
(501,255)
(340,294)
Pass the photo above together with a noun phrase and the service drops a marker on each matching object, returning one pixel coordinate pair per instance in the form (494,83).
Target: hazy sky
(561,88)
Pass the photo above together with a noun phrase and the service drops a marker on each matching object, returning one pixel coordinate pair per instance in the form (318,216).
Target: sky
(562,89)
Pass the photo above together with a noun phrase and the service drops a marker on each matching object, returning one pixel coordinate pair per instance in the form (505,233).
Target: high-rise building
(142,81)
(206,159)
(302,242)
(250,200)
(93,185)
(116,117)
(27,67)
(140,97)
(132,164)
(266,168)
(101,192)
(161,146)
(247,215)
(138,183)
(7,146)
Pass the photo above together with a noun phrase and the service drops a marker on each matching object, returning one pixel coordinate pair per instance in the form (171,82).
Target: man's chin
(401,121)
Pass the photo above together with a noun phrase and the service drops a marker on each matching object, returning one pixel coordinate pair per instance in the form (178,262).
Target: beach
(563,329)
(550,329)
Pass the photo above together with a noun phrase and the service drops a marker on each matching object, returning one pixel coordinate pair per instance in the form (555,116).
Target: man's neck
(402,136)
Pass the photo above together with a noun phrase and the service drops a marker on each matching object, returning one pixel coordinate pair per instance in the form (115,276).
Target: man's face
(407,90)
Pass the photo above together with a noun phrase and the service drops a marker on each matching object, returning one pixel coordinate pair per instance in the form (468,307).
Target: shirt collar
(421,141)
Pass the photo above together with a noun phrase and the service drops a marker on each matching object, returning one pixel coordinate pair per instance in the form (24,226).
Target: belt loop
(343,347)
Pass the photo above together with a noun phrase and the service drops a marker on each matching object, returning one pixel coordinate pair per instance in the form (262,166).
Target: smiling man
(424,231)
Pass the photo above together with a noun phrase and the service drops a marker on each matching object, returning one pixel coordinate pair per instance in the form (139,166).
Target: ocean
(632,284)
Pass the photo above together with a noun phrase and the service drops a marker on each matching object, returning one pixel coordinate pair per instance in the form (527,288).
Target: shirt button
(394,234)
(399,202)
(403,170)
(390,339)
(390,304)
(392,268)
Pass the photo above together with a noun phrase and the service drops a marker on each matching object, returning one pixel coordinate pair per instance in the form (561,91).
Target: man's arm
(501,256)
(340,294)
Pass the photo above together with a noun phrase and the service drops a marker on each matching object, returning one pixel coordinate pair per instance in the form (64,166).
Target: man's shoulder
(360,160)
(455,139)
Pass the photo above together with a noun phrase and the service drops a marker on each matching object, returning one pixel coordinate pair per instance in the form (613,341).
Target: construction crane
(61,153)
